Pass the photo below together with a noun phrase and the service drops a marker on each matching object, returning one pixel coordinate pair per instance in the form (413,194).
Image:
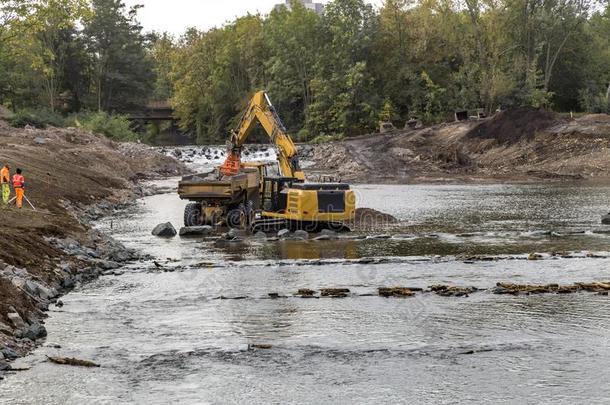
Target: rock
(196,230)
(322,237)
(59,304)
(165,230)
(9,353)
(40,141)
(35,331)
(16,319)
(68,283)
(260,236)
(300,235)
(108,265)
(284,234)
(4,366)
(395,292)
(4,328)
(331,234)
(334,292)
(306,292)
(606,219)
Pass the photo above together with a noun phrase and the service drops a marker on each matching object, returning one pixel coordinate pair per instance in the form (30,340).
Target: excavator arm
(260,110)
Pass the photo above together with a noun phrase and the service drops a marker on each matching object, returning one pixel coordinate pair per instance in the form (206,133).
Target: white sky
(175,16)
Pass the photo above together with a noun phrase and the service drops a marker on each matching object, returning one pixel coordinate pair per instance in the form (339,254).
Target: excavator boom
(260,110)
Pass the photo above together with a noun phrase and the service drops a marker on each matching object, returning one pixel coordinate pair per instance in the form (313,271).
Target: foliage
(41,118)
(116,127)
(329,75)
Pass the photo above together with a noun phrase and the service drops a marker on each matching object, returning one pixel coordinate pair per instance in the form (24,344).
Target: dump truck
(246,195)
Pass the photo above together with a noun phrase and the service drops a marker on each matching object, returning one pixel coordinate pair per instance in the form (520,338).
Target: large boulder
(300,235)
(165,230)
(284,234)
(196,230)
(35,331)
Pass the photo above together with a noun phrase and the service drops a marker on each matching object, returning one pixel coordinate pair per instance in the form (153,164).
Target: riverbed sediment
(73,177)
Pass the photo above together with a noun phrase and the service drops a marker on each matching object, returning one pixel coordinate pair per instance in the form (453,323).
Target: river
(165,336)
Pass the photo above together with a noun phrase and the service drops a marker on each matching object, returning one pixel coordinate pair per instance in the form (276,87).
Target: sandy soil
(520,145)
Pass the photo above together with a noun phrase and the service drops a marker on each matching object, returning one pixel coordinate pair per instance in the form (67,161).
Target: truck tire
(192,215)
(236,217)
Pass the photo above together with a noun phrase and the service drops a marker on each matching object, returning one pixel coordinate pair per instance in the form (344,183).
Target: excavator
(246,195)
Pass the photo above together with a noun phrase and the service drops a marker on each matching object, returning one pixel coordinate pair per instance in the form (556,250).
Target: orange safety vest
(5,175)
(18,181)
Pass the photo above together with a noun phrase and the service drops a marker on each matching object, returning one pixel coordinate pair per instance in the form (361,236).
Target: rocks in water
(35,331)
(452,291)
(40,141)
(72,362)
(306,293)
(395,292)
(284,234)
(260,346)
(535,256)
(335,292)
(606,219)
(516,289)
(260,236)
(4,366)
(196,231)
(300,235)
(165,230)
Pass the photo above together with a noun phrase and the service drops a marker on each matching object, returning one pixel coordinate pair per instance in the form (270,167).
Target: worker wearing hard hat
(5,183)
(19,186)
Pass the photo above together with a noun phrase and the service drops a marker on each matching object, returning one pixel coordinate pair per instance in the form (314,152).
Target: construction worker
(19,186)
(5,183)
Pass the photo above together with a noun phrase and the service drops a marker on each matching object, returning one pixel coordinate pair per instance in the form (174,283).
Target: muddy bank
(521,145)
(73,177)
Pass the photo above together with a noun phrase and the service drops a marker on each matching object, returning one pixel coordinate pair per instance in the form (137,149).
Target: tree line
(330,75)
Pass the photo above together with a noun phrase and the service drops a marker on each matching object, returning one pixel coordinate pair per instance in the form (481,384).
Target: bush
(326,138)
(116,127)
(37,118)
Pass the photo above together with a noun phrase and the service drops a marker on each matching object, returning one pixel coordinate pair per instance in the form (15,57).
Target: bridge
(154,111)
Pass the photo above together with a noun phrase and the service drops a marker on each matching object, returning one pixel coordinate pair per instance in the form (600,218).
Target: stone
(260,235)
(4,328)
(16,319)
(334,292)
(59,304)
(283,234)
(35,331)
(4,366)
(328,232)
(109,265)
(40,141)
(196,230)
(165,230)
(9,353)
(322,238)
(606,219)
(395,292)
(68,283)
(300,235)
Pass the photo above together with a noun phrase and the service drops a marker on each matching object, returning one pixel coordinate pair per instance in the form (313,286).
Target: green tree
(122,69)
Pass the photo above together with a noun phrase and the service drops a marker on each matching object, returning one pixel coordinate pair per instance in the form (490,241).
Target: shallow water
(166,337)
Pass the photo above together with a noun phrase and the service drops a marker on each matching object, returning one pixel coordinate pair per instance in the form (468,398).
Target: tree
(122,69)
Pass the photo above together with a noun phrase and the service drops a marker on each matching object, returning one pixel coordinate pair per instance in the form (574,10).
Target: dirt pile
(72,176)
(521,145)
(512,126)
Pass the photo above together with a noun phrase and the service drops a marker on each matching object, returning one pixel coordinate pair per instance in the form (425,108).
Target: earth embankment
(517,145)
(72,177)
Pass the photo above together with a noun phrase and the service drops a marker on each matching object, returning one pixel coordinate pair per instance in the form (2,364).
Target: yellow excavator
(244,195)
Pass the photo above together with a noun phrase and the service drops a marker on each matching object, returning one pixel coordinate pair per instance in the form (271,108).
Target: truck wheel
(192,215)
(235,217)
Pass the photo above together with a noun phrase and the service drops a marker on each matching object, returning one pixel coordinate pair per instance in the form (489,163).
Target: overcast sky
(176,15)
